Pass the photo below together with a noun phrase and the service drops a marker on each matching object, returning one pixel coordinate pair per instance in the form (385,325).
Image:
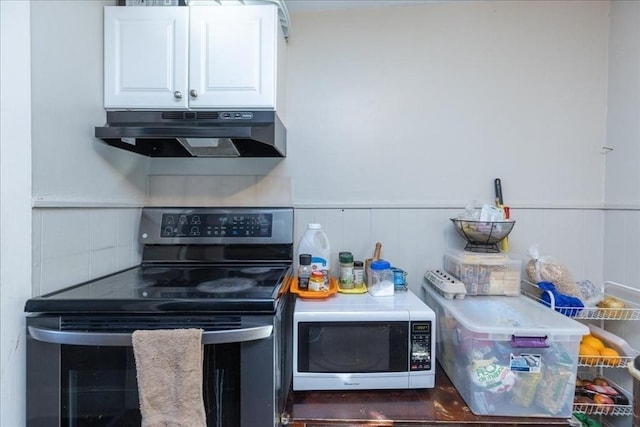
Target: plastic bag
(565,304)
(591,294)
(546,269)
(486,213)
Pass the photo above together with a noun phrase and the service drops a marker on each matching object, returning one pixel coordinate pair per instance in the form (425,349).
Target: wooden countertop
(438,406)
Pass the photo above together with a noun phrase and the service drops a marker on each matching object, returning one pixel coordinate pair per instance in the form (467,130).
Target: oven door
(80,378)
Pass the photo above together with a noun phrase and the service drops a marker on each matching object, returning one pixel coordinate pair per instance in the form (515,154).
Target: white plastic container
(380,279)
(507,355)
(314,241)
(484,273)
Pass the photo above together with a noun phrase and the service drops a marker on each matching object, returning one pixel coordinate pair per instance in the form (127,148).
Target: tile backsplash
(415,239)
(72,245)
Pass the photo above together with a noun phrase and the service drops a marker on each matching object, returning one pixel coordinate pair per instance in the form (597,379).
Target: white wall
(623,106)
(425,105)
(621,247)
(86,194)
(70,166)
(383,103)
(15,205)
(416,109)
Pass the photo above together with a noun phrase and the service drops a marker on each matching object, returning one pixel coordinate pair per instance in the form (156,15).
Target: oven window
(99,386)
(352,347)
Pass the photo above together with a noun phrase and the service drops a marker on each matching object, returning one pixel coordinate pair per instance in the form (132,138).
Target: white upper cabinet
(146,57)
(194,57)
(233,56)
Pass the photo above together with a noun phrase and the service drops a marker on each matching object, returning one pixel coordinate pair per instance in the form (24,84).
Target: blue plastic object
(565,304)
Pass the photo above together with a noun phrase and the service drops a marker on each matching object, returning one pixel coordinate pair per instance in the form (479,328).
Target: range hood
(196,133)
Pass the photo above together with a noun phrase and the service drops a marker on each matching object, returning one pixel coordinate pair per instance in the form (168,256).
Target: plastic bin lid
(507,315)
(467,257)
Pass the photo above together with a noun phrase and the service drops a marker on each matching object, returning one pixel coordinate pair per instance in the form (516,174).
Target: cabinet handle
(194,93)
(177,94)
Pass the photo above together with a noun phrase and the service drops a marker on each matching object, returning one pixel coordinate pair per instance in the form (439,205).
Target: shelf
(593,409)
(600,362)
(631,311)
(599,409)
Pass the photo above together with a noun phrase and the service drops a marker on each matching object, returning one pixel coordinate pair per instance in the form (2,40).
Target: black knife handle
(498,187)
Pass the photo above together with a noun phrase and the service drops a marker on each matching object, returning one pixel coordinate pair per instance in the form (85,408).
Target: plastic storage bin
(507,355)
(483,273)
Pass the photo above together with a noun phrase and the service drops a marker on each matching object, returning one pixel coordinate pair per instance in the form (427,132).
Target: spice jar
(304,271)
(358,274)
(380,279)
(316,281)
(346,270)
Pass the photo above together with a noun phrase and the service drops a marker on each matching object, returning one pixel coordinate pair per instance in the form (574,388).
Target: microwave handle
(54,336)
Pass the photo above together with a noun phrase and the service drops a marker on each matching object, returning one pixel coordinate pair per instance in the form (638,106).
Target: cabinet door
(233,56)
(145,57)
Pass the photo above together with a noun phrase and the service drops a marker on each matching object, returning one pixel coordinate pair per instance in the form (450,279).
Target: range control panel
(420,346)
(182,226)
(216,225)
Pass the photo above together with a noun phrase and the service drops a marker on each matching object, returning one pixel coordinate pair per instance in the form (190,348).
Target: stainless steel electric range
(221,270)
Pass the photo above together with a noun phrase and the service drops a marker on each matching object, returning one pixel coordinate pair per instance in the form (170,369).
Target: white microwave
(359,342)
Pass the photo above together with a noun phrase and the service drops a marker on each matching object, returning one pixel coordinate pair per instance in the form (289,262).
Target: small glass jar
(399,283)
(316,281)
(380,278)
(358,274)
(304,272)
(346,270)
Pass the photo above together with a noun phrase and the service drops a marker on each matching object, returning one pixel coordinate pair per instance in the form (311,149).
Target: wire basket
(483,236)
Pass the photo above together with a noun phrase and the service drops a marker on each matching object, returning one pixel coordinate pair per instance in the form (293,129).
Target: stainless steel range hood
(196,133)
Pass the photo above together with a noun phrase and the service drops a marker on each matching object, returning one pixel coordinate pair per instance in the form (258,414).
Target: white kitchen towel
(169,372)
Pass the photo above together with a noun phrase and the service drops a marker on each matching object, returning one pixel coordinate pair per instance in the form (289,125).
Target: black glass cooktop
(174,288)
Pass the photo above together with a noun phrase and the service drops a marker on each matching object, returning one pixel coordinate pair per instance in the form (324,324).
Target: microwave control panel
(420,346)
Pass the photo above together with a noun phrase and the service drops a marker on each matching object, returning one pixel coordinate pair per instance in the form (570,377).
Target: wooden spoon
(376,256)
(376,252)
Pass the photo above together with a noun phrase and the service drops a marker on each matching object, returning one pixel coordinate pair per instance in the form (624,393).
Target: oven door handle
(54,336)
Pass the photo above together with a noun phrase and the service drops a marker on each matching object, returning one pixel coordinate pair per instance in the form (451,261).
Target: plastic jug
(314,241)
